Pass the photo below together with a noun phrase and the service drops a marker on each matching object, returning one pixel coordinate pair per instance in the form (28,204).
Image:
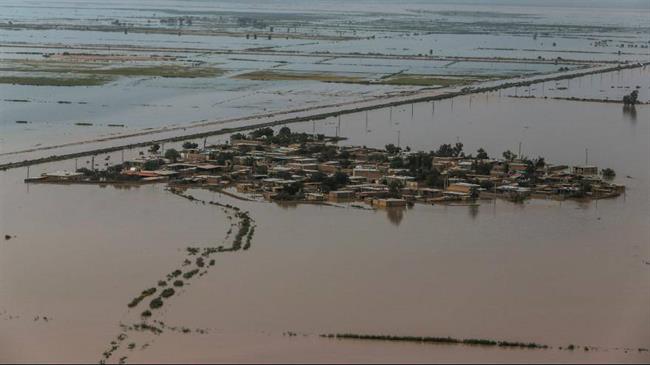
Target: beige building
(369,173)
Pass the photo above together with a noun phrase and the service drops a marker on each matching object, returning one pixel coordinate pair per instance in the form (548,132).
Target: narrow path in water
(197,263)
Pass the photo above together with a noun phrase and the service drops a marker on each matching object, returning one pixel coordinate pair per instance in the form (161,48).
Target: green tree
(433,179)
(261,169)
(284,131)
(190,145)
(396,163)
(394,189)
(392,149)
(481,154)
(509,156)
(445,150)
(608,173)
(487,184)
(151,165)
(172,155)
(483,168)
(238,136)
(334,182)
(458,149)
(262,132)
(318,176)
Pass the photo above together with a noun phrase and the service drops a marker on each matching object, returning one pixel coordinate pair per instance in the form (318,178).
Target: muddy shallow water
(550,272)
(556,273)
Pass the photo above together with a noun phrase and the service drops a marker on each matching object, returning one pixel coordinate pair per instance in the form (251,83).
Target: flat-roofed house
(463,188)
(585,170)
(369,173)
(339,195)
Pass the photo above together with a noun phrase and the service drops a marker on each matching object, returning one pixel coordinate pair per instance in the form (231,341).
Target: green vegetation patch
(156,303)
(439,340)
(167,293)
(54,81)
(161,71)
(37,73)
(298,76)
(429,80)
(139,298)
(178,283)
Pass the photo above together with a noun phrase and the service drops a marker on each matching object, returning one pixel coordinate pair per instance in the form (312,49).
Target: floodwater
(551,272)
(523,31)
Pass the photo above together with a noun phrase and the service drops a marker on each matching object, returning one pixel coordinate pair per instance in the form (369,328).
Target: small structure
(585,170)
(369,173)
(314,197)
(463,188)
(402,180)
(340,195)
(389,203)
(58,176)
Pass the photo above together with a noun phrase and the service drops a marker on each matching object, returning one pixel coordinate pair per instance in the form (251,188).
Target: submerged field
(157,65)
(68,73)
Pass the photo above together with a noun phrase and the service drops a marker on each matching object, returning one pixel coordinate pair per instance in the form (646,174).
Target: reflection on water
(473,211)
(629,111)
(395,215)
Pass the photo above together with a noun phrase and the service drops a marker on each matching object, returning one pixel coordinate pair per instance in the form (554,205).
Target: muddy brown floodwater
(550,272)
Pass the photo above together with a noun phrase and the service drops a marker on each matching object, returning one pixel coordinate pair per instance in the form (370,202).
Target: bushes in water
(142,295)
(244,227)
(167,293)
(443,340)
(156,303)
(189,274)
(174,274)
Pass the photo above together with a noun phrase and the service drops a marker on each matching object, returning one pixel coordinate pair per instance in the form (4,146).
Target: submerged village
(298,167)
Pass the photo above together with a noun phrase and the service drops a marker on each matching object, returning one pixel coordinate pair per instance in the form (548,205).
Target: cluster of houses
(319,170)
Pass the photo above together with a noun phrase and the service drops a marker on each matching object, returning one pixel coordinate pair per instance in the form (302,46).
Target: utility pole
(519,153)
(586,156)
(366,120)
(390,114)
(398,136)
(412,106)
(122,156)
(92,163)
(205,141)
(338,129)
(28,171)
